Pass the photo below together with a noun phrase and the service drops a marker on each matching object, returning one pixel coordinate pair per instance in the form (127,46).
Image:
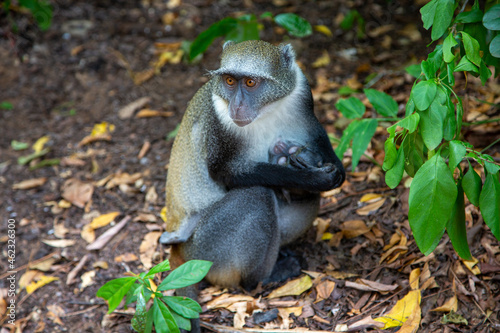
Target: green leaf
(384,104)
(349,19)
(471,46)
(41,11)
(182,322)
(18,145)
(206,38)
(183,306)
(450,122)
(433,62)
(391,154)
(490,167)
(346,138)
(351,107)
(457,154)
(22,160)
(246,29)
(491,19)
(432,195)
(489,203)
(459,115)
(414,70)
(471,183)
(266,15)
(472,16)
(495,47)
(448,45)
(163,319)
(413,148)
(442,18)
(449,71)
(139,320)
(423,94)
(294,24)
(410,122)
(364,133)
(410,107)
(428,12)
(484,72)
(114,291)
(466,66)
(456,226)
(6,106)
(186,274)
(432,121)
(161,267)
(395,174)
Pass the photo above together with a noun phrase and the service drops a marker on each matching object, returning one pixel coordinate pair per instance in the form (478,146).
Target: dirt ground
(80,73)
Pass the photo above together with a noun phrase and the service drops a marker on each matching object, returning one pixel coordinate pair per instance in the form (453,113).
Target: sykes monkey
(248,136)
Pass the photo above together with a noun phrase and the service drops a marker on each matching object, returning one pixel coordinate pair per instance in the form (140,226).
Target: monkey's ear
(228,43)
(287,54)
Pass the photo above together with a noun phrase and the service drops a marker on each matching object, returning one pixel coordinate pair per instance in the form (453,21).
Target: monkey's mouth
(242,122)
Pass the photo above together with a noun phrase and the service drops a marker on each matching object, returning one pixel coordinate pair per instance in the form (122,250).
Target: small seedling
(166,313)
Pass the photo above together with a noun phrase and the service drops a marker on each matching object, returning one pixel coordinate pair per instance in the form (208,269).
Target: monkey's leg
(239,234)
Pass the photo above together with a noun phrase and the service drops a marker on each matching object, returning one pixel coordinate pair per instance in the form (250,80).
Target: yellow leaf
(327,236)
(38,145)
(323,29)
(163,214)
(450,305)
(44,279)
(369,197)
(322,61)
(471,265)
(414,278)
(370,207)
(406,309)
(103,220)
(293,288)
(102,128)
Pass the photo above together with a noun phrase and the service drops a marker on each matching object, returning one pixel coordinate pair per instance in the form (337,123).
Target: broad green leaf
(294,24)
(114,291)
(471,46)
(351,107)
(450,122)
(182,322)
(186,274)
(466,66)
(432,195)
(18,145)
(490,167)
(413,148)
(489,203)
(391,154)
(423,94)
(459,115)
(348,21)
(246,29)
(6,106)
(346,138)
(161,267)
(448,45)
(495,46)
(164,322)
(450,68)
(433,62)
(384,104)
(471,183)
(414,70)
(484,72)
(346,91)
(442,18)
(491,19)
(206,38)
(456,228)
(410,107)
(360,142)
(183,306)
(432,121)
(457,154)
(472,16)
(428,12)
(410,122)
(395,174)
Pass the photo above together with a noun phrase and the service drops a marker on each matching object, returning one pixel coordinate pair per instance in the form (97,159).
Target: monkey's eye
(250,82)
(230,81)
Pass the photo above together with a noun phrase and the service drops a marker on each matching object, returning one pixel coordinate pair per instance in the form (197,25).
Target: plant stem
(490,145)
(494,120)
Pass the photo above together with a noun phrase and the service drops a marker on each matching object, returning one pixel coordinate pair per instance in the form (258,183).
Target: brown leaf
(292,288)
(324,290)
(148,113)
(366,210)
(29,183)
(128,110)
(148,248)
(93,138)
(368,285)
(77,192)
(354,228)
(126,257)
(227,300)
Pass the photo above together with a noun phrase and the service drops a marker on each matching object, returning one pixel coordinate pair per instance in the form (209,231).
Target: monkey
(248,134)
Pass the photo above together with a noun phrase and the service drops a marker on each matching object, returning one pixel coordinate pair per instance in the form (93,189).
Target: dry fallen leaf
(87,279)
(29,183)
(354,228)
(148,248)
(44,265)
(88,233)
(59,242)
(44,279)
(227,300)
(406,313)
(292,288)
(148,113)
(103,220)
(100,264)
(28,277)
(366,210)
(128,110)
(77,192)
(126,257)
(367,285)
(324,290)
(450,305)
(54,313)
(100,242)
